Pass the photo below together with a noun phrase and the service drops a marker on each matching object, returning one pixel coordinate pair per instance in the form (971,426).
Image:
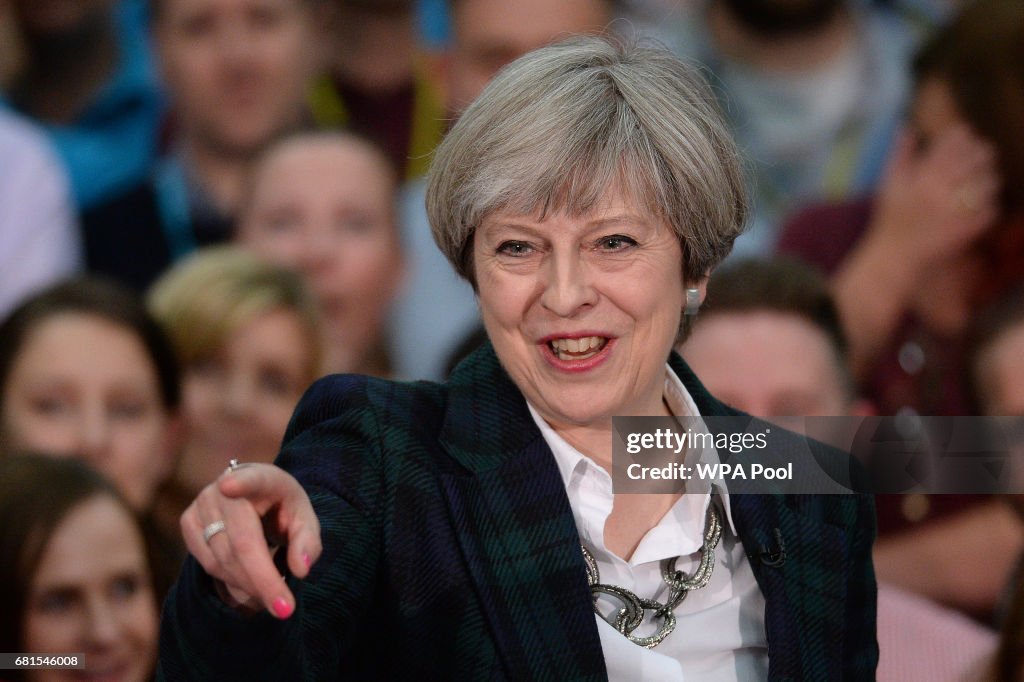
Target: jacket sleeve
(332,448)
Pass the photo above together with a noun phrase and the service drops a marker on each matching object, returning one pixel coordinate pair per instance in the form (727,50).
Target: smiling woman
(471,529)
(77,571)
(86,372)
(247,334)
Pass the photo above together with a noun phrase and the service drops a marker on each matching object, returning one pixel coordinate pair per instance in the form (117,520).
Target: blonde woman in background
(248,336)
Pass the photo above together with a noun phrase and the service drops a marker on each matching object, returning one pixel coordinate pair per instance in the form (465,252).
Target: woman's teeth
(578,349)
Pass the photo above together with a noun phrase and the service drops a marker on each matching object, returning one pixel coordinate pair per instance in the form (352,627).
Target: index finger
(253,556)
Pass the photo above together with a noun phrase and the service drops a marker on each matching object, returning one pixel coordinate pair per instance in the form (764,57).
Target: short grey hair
(558,127)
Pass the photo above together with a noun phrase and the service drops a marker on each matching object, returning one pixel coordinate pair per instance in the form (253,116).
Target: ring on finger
(212,529)
(234,464)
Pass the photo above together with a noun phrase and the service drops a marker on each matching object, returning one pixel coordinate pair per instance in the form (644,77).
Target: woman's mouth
(583,348)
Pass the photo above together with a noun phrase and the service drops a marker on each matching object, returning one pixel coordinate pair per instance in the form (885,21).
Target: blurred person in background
(236,73)
(77,576)
(768,341)
(248,337)
(86,74)
(381,82)
(324,205)
(39,241)
(944,234)
(942,238)
(486,35)
(814,90)
(85,372)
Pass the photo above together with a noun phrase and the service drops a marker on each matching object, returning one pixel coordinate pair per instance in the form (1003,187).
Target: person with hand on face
(471,529)
(943,238)
(944,235)
(323,204)
(78,574)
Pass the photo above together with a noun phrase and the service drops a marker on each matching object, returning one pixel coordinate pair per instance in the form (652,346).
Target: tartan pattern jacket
(450,552)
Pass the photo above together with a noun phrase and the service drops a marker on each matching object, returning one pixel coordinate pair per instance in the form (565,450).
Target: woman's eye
(198,25)
(616,242)
(124,587)
(354,225)
(56,601)
(129,409)
(514,248)
(49,406)
(277,384)
(278,222)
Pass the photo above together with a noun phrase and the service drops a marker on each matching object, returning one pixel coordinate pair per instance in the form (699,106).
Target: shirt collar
(572,463)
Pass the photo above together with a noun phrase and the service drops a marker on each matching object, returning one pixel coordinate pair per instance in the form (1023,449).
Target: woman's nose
(103,626)
(567,285)
(236,45)
(237,395)
(94,433)
(319,251)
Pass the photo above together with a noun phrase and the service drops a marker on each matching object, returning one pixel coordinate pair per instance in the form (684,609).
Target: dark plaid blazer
(450,552)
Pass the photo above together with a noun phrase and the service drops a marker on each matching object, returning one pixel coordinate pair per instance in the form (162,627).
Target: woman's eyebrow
(495,225)
(602,221)
(620,219)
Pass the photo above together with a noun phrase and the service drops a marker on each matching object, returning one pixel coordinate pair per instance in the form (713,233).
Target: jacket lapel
(799,561)
(515,528)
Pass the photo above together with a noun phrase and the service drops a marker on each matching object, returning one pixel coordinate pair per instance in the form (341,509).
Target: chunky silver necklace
(629,617)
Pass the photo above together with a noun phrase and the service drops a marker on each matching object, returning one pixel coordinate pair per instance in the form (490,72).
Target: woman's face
(237,402)
(92,594)
(83,386)
(582,311)
(326,210)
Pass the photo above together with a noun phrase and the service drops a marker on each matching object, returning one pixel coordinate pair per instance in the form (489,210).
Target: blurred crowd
(207,204)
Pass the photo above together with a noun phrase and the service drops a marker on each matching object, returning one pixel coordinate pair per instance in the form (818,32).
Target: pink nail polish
(281,608)
(305,559)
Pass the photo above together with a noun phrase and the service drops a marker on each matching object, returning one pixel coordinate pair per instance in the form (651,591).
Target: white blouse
(720,632)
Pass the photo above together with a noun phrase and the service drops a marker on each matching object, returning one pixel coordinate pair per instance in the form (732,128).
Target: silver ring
(212,529)
(235,465)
